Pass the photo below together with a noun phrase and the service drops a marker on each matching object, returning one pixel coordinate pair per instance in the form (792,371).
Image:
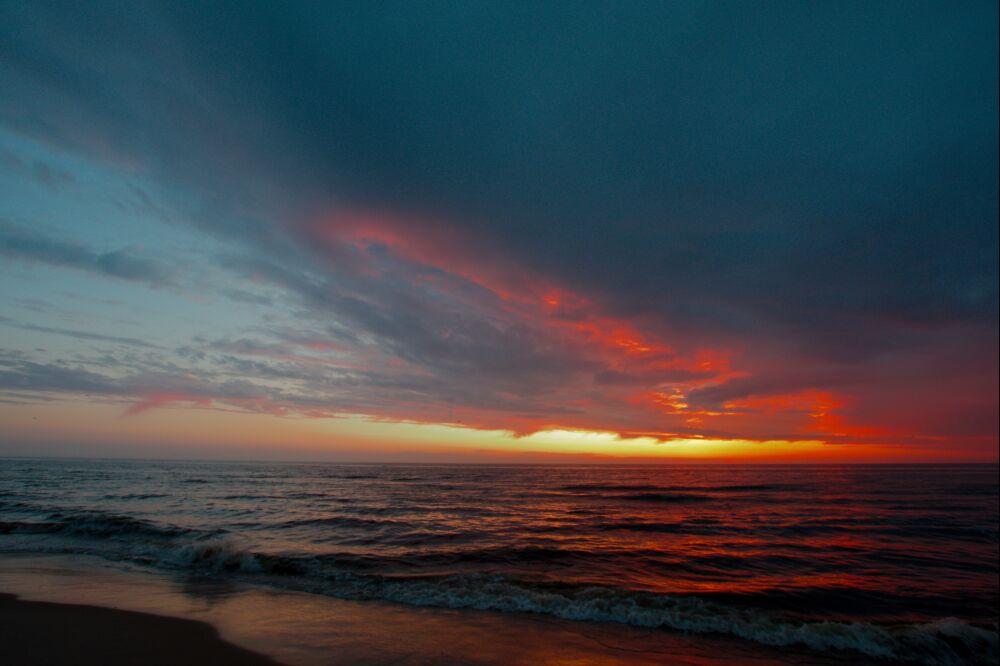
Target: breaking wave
(947,642)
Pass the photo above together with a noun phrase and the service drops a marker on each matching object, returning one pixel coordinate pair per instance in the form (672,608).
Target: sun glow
(194,431)
(664,446)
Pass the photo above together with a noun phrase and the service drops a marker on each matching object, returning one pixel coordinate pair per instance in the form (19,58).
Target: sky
(491,231)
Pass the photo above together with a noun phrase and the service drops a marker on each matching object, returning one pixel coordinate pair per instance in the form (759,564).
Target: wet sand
(35,633)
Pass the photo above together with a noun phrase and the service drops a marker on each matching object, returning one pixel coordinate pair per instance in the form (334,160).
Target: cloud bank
(675,220)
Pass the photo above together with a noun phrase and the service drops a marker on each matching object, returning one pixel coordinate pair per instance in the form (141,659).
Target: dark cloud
(813,188)
(20,374)
(827,168)
(133,381)
(81,335)
(250,298)
(20,243)
(43,172)
(664,155)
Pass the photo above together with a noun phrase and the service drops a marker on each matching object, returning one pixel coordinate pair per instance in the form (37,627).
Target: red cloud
(155,400)
(587,367)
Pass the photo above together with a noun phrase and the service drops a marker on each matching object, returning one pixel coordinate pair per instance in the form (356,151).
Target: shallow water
(893,562)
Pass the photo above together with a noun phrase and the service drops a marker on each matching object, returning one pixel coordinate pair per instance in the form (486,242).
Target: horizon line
(608,463)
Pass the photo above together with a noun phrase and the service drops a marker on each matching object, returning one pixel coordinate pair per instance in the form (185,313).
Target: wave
(947,642)
(94,525)
(339,521)
(635,526)
(965,533)
(611,487)
(251,496)
(664,497)
(135,496)
(363,577)
(19,506)
(736,488)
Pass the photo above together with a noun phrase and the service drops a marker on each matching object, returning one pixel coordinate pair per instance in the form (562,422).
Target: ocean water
(889,562)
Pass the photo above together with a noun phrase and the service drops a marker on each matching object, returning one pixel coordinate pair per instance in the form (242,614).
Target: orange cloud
(156,400)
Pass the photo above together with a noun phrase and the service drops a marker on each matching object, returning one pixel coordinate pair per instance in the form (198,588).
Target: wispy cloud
(80,335)
(18,242)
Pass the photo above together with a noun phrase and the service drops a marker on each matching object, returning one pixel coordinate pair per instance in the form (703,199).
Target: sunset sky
(499,231)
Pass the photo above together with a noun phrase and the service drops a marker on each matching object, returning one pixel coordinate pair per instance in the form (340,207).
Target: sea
(896,563)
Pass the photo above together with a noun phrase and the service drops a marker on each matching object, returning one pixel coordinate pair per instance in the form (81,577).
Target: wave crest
(948,642)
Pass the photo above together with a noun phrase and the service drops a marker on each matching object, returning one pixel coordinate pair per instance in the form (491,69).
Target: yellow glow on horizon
(99,427)
(611,444)
(568,441)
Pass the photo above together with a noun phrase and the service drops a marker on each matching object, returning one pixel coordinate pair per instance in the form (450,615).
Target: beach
(95,614)
(40,633)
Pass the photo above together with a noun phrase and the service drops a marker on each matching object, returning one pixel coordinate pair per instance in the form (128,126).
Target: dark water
(896,562)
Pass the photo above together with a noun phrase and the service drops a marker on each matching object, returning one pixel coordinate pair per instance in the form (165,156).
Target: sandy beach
(42,634)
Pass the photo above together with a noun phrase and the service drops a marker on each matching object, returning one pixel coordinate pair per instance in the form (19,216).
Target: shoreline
(304,629)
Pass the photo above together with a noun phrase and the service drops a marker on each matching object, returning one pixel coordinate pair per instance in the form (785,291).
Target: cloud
(542,215)
(157,400)
(81,335)
(671,205)
(127,264)
(47,174)
(140,384)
